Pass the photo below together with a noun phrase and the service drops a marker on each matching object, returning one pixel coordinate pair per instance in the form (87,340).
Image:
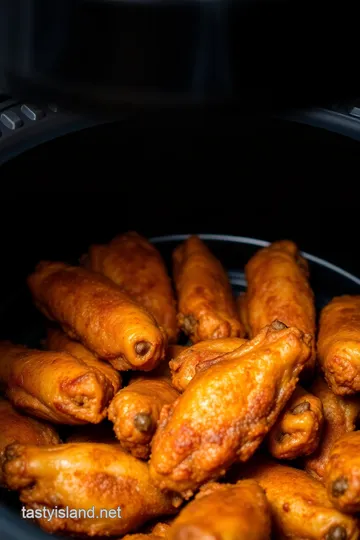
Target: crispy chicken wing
(227,410)
(137,267)
(18,428)
(54,386)
(342,473)
(206,306)
(93,310)
(58,341)
(297,431)
(83,476)
(340,416)
(278,288)
(185,366)
(225,512)
(339,344)
(299,504)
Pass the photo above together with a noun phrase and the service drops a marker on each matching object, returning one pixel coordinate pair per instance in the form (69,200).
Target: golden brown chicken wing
(278,288)
(225,512)
(299,504)
(99,433)
(206,306)
(342,474)
(58,341)
(137,267)
(339,344)
(340,416)
(93,310)
(88,476)
(54,386)
(135,412)
(227,410)
(297,431)
(185,365)
(18,428)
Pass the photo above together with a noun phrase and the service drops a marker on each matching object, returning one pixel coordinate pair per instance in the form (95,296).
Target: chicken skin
(134,264)
(298,429)
(339,344)
(207,309)
(225,512)
(227,410)
(83,476)
(278,288)
(58,341)
(299,504)
(18,428)
(135,412)
(54,386)
(184,367)
(340,416)
(92,309)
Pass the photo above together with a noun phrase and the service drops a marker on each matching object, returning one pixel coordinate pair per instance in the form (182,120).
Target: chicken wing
(225,512)
(93,310)
(227,410)
(185,365)
(135,412)
(137,267)
(340,416)
(206,306)
(88,476)
(299,504)
(339,344)
(54,386)
(58,341)
(18,428)
(342,473)
(278,288)
(297,431)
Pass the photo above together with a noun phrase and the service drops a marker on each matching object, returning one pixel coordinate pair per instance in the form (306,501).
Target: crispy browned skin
(278,288)
(137,267)
(92,309)
(83,475)
(225,512)
(242,306)
(297,431)
(339,344)
(342,474)
(206,306)
(59,341)
(54,386)
(300,507)
(99,433)
(18,428)
(135,412)
(184,366)
(340,415)
(227,410)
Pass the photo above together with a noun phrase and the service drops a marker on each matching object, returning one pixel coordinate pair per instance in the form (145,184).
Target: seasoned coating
(225,512)
(92,309)
(99,433)
(227,410)
(297,431)
(206,306)
(342,474)
(135,412)
(299,504)
(278,288)
(134,264)
(18,428)
(54,386)
(58,341)
(242,307)
(185,366)
(82,476)
(339,344)
(340,416)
